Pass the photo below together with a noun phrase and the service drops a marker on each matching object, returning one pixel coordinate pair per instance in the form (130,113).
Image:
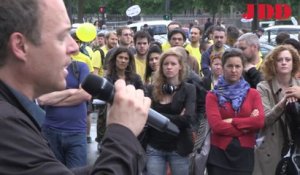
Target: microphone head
(98,87)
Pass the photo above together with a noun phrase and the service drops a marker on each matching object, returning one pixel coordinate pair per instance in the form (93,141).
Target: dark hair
(233,34)
(120,30)
(233,52)
(112,67)
(148,70)
(141,34)
(281,37)
(174,23)
(176,31)
(293,42)
(260,29)
(19,16)
(101,34)
(155,43)
(203,46)
(219,29)
(96,23)
(199,28)
(208,31)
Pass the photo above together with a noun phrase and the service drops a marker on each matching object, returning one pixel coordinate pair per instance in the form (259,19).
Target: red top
(242,127)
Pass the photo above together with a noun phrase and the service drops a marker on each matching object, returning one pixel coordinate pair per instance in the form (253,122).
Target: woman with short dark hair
(234,113)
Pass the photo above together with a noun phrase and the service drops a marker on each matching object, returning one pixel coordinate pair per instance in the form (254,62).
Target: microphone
(104,90)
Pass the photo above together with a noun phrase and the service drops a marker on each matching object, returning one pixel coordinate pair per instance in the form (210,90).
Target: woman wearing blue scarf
(235,113)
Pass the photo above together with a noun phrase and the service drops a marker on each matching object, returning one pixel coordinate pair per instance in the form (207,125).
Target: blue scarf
(233,93)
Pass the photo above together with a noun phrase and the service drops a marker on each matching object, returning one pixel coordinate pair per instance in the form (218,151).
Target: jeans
(157,162)
(70,148)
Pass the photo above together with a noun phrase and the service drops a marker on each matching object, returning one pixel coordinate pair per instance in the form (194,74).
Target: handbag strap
(284,126)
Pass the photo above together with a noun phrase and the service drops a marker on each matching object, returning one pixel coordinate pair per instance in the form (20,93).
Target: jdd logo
(268,11)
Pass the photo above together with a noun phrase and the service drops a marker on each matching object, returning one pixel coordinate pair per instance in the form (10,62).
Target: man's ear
(255,46)
(18,45)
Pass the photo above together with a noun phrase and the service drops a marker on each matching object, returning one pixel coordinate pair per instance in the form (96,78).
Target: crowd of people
(217,74)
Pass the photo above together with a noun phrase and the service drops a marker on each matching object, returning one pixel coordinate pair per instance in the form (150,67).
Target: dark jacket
(201,92)
(23,150)
(134,80)
(253,77)
(205,62)
(184,98)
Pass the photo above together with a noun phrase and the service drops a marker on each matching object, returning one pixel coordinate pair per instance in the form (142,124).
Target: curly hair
(269,65)
(160,78)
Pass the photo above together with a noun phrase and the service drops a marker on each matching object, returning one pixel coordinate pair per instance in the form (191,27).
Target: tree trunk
(80,10)
(298,14)
(69,7)
(214,17)
(254,26)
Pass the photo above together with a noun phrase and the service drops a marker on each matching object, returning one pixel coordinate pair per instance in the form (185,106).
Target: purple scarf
(233,93)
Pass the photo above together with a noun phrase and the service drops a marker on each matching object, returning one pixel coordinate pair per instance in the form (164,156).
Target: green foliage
(91,6)
(151,6)
(176,6)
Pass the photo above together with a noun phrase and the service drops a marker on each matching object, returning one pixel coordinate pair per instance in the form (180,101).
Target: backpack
(75,70)
(289,164)
(101,54)
(83,50)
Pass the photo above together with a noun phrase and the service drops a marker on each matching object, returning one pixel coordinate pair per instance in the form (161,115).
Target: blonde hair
(269,65)
(160,78)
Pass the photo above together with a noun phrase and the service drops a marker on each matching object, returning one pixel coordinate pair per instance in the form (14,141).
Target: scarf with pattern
(233,93)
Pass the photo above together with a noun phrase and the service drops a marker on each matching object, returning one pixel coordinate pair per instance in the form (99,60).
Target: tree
(213,7)
(80,10)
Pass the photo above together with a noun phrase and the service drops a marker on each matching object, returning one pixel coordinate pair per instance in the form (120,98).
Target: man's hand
(130,107)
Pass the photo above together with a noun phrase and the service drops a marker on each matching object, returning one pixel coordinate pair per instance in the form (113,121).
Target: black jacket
(183,98)
(23,150)
(253,77)
(134,80)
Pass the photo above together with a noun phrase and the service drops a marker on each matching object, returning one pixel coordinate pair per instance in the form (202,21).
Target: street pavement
(92,147)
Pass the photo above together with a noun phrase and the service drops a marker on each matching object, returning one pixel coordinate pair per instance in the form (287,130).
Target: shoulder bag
(199,156)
